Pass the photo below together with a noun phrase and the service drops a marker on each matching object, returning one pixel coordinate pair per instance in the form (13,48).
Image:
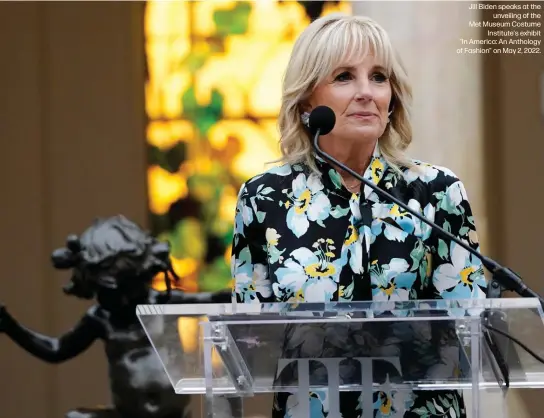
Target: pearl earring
(305,118)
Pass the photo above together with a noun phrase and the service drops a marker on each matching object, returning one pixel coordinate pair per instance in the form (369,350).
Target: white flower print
(424,172)
(249,278)
(463,278)
(309,276)
(421,229)
(306,203)
(451,199)
(404,221)
(391,282)
(272,238)
(317,405)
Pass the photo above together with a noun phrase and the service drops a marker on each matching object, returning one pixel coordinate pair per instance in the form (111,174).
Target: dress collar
(374,172)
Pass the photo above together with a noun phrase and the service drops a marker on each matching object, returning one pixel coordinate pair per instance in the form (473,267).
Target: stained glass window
(214,71)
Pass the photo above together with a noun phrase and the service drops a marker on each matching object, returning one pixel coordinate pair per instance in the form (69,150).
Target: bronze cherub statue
(114,262)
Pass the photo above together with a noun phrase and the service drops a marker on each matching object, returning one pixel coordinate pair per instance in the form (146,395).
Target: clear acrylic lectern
(229,352)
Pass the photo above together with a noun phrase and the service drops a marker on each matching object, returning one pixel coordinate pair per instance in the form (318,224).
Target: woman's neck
(355,155)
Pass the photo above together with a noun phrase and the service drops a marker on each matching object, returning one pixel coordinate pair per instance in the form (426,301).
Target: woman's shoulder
(435,184)
(275,178)
(431,175)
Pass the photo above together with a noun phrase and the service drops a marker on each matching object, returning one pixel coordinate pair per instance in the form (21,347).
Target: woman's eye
(379,77)
(345,76)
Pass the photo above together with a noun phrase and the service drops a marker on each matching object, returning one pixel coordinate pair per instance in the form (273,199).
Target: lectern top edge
(456,306)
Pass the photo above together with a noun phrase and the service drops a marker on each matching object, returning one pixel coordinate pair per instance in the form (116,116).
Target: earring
(389,115)
(305,118)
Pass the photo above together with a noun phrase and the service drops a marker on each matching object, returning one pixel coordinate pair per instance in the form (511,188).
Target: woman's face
(359,95)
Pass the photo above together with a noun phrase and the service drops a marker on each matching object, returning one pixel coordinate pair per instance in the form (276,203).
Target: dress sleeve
(456,274)
(249,265)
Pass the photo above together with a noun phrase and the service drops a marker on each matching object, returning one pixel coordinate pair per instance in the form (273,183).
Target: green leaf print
(335,178)
(423,275)
(260,216)
(444,401)
(417,255)
(439,196)
(262,193)
(338,212)
(422,412)
(463,231)
(456,407)
(442,249)
(266,190)
(347,292)
(392,178)
(438,407)
(273,254)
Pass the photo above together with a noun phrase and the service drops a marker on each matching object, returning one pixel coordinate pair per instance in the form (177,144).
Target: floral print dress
(302,236)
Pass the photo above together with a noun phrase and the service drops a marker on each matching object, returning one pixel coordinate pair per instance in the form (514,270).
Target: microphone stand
(503,278)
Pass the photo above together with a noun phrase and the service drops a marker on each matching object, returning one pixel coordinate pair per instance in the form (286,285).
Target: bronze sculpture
(114,262)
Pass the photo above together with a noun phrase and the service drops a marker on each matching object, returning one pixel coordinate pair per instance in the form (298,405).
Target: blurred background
(159,110)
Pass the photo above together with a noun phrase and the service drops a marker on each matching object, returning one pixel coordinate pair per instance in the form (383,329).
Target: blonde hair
(323,45)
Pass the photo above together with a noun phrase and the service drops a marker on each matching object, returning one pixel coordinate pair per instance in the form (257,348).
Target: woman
(308,231)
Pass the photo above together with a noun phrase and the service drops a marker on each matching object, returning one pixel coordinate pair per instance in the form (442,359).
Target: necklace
(354,186)
(357,182)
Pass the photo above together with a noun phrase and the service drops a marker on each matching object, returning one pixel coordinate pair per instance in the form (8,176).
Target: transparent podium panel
(232,352)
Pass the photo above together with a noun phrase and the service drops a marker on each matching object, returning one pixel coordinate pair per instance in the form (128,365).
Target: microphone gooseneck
(322,120)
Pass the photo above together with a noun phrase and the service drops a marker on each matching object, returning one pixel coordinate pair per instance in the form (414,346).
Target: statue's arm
(49,349)
(222,296)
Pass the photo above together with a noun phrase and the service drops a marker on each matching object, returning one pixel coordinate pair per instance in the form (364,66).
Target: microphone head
(322,118)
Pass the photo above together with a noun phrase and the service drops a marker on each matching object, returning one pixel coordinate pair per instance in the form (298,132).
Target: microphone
(321,122)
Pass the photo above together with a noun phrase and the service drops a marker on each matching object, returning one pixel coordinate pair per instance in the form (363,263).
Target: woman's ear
(304,106)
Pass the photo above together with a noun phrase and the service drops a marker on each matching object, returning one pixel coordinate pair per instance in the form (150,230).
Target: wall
(72,148)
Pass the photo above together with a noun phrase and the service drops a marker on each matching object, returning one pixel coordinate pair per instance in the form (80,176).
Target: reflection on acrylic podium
(246,350)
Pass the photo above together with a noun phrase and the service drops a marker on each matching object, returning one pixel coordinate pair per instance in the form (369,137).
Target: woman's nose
(364,91)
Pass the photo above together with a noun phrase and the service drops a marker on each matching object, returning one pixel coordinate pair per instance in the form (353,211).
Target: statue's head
(114,261)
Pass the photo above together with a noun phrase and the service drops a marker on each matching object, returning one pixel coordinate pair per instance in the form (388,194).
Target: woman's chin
(362,134)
